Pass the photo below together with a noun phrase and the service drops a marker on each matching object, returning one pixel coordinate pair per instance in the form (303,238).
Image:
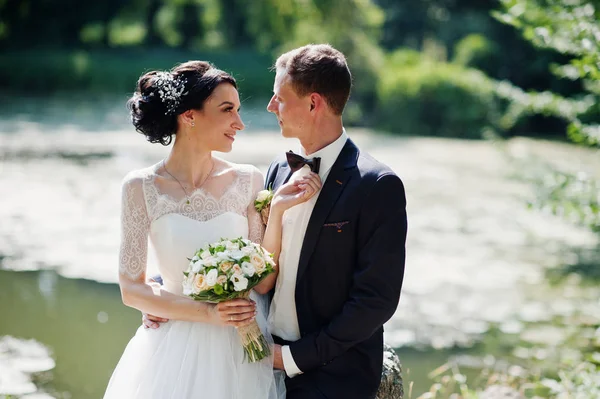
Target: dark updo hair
(154,117)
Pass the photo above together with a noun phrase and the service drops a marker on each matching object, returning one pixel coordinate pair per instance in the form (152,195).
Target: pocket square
(337,225)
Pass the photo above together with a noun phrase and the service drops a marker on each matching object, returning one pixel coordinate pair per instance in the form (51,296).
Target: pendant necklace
(181,185)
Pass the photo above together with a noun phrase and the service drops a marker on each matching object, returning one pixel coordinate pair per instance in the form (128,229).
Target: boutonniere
(262,203)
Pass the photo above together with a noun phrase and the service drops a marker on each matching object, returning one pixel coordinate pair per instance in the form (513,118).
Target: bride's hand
(296,191)
(235,313)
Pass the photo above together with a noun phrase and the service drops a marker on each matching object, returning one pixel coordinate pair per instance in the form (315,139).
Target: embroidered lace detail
(134,227)
(142,203)
(203,205)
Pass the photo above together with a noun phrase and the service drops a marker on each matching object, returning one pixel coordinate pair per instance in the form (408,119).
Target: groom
(343,251)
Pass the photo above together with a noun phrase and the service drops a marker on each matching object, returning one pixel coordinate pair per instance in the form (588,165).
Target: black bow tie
(297,161)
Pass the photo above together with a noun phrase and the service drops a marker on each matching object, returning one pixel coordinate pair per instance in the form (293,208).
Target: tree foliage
(571,28)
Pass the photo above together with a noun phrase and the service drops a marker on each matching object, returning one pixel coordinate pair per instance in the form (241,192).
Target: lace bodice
(148,196)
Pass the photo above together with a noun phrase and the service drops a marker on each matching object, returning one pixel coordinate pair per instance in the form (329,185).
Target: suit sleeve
(377,279)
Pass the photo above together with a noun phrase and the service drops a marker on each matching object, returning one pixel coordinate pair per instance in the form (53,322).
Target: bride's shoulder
(248,175)
(243,169)
(138,176)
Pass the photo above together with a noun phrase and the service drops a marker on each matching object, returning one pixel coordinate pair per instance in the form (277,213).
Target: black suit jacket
(349,276)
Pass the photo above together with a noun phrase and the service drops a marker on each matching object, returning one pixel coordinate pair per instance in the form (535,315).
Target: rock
(391,386)
(500,392)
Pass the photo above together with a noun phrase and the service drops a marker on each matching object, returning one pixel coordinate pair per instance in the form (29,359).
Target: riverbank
(84,322)
(473,250)
(477,258)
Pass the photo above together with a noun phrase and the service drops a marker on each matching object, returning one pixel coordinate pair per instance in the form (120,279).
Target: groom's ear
(316,101)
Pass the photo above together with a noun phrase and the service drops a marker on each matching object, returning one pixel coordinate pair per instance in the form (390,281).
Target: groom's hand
(151,321)
(277,358)
(148,320)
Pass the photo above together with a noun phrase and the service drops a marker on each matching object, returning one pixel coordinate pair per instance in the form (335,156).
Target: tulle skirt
(183,360)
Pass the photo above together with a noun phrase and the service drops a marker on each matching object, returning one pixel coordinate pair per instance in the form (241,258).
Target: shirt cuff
(288,362)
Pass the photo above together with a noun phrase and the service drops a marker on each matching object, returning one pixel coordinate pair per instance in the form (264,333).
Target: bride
(183,202)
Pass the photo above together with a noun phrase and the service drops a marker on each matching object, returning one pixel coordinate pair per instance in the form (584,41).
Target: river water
(475,253)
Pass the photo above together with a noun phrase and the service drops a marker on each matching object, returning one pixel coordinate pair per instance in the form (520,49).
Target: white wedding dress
(183,359)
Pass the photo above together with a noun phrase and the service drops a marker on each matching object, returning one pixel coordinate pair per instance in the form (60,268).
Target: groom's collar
(329,153)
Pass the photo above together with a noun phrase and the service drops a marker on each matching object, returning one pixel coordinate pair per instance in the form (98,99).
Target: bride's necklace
(181,185)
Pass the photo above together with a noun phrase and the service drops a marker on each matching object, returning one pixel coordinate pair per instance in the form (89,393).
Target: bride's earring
(193,123)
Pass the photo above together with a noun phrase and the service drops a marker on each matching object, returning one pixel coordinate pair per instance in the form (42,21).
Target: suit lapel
(338,177)
(282,176)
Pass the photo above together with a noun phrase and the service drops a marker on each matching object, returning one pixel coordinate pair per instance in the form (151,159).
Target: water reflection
(47,284)
(22,362)
(476,257)
(86,327)
(84,324)
(474,251)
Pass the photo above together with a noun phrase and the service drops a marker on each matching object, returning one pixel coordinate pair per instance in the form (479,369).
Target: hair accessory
(170,90)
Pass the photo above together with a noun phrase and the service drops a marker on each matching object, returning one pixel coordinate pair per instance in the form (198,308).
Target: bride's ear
(189,117)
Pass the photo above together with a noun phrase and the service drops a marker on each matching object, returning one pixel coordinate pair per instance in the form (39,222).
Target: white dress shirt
(283,320)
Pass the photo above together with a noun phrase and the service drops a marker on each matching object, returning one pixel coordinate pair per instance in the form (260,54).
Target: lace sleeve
(256,228)
(135,224)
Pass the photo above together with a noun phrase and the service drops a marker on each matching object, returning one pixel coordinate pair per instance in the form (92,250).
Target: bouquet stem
(254,342)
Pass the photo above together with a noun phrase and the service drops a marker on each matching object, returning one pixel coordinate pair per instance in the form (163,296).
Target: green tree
(352,26)
(444,29)
(573,29)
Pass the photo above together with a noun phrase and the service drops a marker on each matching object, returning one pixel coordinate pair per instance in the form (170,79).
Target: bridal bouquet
(226,270)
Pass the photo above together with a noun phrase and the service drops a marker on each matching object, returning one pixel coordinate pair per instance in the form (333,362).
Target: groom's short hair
(319,68)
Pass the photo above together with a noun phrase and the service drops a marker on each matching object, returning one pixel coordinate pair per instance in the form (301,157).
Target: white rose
(263,195)
(211,278)
(205,254)
(195,258)
(221,256)
(240,282)
(232,246)
(248,269)
(247,250)
(188,284)
(267,256)
(197,267)
(210,261)
(237,254)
